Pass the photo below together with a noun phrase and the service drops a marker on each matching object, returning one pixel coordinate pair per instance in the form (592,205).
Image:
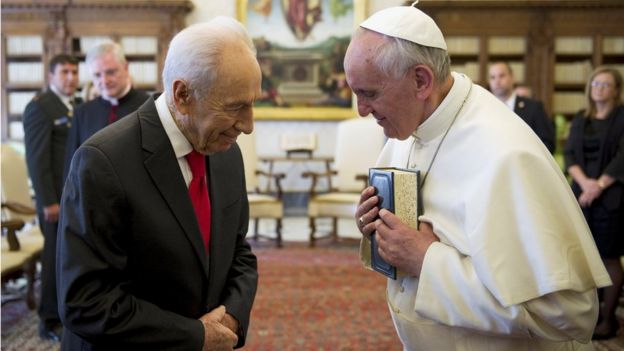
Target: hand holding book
(402,246)
(398,192)
(367,211)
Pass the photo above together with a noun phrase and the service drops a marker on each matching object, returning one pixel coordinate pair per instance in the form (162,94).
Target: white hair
(396,56)
(104,48)
(194,53)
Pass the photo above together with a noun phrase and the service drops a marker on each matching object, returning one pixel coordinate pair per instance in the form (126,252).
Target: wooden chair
(22,240)
(17,201)
(262,203)
(359,142)
(15,186)
(18,260)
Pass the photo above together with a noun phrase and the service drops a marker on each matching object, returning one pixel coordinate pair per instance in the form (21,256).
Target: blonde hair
(590,109)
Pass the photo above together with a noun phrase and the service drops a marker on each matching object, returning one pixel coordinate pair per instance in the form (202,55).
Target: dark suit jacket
(533,113)
(46,124)
(92,116)
(132,270)
(611,156)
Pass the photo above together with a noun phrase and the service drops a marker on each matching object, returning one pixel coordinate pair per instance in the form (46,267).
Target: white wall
(268,132)
(204,10)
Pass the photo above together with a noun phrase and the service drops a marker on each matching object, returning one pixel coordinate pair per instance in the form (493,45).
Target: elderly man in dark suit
(531,111)
(149,257)
(109,71)
(46,121)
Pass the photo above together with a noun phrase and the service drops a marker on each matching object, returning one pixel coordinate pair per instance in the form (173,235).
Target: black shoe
(51,332)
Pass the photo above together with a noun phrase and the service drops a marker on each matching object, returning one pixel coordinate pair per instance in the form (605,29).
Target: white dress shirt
(181,146)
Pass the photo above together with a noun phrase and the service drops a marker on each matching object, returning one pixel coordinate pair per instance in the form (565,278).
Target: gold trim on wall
(360,8)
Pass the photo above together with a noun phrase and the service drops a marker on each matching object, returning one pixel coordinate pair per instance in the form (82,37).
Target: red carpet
(319,299)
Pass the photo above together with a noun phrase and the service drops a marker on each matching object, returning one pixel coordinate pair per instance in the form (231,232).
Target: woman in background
(594,157)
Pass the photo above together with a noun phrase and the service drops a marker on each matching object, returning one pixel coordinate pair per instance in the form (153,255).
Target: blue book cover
(395,187)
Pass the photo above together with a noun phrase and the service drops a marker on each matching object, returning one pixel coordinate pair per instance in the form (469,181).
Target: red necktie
(198,191)
(112,115)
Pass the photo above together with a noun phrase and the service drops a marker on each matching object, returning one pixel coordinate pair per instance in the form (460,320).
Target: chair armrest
(315,176)
(270,175)
(276,177)
(10,227)
(19,208)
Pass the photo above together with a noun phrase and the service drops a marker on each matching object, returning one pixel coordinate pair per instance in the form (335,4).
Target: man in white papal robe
(503,258)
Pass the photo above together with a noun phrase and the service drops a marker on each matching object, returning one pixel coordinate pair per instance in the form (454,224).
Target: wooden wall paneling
(61,23)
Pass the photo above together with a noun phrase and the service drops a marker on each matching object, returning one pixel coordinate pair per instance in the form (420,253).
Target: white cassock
(516,267)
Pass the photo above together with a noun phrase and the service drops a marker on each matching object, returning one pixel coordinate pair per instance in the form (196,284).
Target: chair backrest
(247,144)
(359,143)
(15,186)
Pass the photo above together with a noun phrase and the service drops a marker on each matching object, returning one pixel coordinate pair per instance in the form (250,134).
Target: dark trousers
(48,307)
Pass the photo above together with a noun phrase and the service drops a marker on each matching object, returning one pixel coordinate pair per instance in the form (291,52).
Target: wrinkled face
(501,81)
(109,76)
(64,78)
(212,123)
(391,101)
(603,88)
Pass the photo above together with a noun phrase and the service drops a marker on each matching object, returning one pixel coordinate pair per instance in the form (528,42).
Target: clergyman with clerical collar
(503,258)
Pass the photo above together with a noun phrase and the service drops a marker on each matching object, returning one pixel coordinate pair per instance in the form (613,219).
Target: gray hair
(104,48)
(194,54)
(396,56)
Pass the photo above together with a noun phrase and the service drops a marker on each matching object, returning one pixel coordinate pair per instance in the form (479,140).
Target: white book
(24,45)
(460,45)
(87,42)
(140,45)
(144,72)
(507,45)
(568,102)
(25,72)
(84,75)
(18,101)
(16,130)
(613,45)
(574,45)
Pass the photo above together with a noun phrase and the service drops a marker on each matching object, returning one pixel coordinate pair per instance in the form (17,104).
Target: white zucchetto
(408,23)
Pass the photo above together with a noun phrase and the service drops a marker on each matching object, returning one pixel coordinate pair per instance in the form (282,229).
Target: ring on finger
(361,220)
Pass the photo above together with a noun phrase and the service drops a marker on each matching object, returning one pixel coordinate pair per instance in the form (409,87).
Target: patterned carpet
(319,299)
(308,299)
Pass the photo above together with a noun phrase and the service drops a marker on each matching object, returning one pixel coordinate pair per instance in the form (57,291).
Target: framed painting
(301,45)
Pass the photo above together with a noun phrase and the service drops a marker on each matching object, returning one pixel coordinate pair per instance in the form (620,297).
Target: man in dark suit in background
(134,272)
(531,111)
(109,70)
(46,121)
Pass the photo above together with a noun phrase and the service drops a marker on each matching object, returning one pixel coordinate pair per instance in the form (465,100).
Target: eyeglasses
(597,84)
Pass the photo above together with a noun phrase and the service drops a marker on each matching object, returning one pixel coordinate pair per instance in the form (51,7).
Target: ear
(181,96)
(424,80)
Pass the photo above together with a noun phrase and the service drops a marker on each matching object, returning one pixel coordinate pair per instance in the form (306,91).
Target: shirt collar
(181,146)
(115,101)
(442,117)
(511,102)
(64,98)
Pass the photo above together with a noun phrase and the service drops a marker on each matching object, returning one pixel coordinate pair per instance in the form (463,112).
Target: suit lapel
(162,166)
(56,104)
